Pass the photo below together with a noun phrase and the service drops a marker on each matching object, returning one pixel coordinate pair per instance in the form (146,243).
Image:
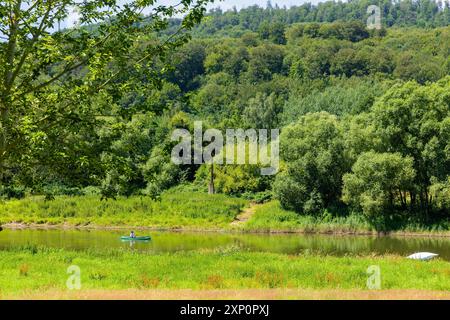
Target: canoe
(422,256)
(143,238)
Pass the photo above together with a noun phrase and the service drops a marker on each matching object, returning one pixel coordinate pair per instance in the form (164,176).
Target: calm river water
(179,241)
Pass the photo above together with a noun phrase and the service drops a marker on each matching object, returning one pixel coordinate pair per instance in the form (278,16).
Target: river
(163,241)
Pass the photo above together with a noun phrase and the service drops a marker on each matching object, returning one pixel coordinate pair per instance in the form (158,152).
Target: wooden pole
(211,181)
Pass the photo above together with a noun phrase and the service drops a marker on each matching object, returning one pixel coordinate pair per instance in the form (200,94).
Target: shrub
(378,182)
(12,192)
(91,191)
(235,179)
(258,197)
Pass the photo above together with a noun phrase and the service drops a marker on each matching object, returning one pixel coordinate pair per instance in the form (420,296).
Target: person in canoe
(132,234)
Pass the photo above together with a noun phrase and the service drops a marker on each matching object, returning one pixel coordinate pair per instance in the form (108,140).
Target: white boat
(422,256)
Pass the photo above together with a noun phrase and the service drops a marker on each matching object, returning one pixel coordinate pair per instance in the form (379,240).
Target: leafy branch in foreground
(48,76)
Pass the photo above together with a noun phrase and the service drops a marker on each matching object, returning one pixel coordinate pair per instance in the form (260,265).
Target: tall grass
(271,217)
(174,210)
(42,269)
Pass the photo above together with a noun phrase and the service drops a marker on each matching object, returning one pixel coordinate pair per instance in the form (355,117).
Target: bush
(258,197)
(188,187)
(12,192)
(235,179)
(378,182)
(289,193)
(57,189)
(91,191)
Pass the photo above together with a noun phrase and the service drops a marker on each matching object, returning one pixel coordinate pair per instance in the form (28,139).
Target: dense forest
(364,114)
(410,13)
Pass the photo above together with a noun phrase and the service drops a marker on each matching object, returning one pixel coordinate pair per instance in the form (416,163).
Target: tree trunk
(211,181)
(412,202)
(3,137)
(402,199)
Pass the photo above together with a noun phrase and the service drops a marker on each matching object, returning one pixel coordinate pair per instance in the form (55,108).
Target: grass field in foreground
(175,210)
(39,270)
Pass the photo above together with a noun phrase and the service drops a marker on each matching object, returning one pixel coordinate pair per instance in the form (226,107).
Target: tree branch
(33,41)
(12,44)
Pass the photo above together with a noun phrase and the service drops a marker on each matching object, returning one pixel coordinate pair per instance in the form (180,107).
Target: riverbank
(38,271)
(270,217)
(187,211)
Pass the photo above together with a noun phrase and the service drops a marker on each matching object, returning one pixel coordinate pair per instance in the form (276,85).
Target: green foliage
(91,191)
(215,97)
(258,197)
(345,20)
(274,32)
(351,96)
(131,143)
(413,120)
(419,67)
(378,182)
(90,110)
(229,57)
(235,179)
(58,85)
(440,191)
(407,130)
(188,64)
(262,111)
(348,62)
(317,58)
(313,152)
(60,189)
(160,173)
(12,192)
(265,61)
(352,31)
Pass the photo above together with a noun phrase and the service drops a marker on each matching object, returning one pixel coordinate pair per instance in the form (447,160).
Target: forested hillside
(420,13)
(364,114)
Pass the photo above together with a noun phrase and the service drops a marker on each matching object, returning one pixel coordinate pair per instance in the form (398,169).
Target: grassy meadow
(38,270)
(174,210)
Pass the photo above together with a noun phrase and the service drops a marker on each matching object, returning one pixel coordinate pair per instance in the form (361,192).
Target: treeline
(403,13)
(388,162)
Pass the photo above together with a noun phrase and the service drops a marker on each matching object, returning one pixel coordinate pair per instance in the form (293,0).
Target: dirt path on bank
(245,294)
(245,215)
